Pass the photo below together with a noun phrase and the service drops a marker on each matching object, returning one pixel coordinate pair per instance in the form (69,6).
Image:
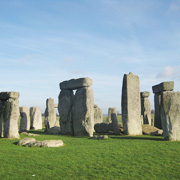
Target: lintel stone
(145,94)
(7,95)
(164,86)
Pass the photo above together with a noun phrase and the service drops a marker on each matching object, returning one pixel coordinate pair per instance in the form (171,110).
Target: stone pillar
(98,116)
(83,112)
(131,105)
(10,114)
(36,118)
(115,124)
(50,114)
(111,111)
(64,108)
(24,119)
(145,107)
(157,90)
(170,115)
(2,107)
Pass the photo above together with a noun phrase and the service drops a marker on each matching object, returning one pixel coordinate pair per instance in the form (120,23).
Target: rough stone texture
(115,124)
(131,105)
(100,137)
(98,116)
(157,113)
(76,84)
(7,95)
(150,130)
(2,108)
(101,128)
(64,107)
(164,86)
(25,141)
(53,130)
(46,143)
(170,115)
(36,118)
(83,112)
(50,114)
(110,111)
(145,108)
(11,116)
(24,119)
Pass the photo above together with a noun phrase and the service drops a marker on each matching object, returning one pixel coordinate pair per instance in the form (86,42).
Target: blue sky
(45,42)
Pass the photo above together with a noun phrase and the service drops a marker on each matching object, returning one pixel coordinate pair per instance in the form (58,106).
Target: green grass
(119,157)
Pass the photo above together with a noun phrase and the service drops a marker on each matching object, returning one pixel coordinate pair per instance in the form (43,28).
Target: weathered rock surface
(53,130)
(101,128)
(2,108)
(50,114)
(170,115)
(25,141)
(11,116)
(110,111)
(115,124)
(145,108)
(24,119)
(151,130)
(131,105)
(76,84)
(157,114)
(36,118)
(83,112)
(65,105)
(164,86)
(7,95)
(98,116)
(100,137)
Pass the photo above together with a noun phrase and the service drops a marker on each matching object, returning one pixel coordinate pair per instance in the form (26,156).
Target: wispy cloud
(175,6)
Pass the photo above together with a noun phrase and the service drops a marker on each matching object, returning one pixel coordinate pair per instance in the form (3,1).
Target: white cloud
(168,72)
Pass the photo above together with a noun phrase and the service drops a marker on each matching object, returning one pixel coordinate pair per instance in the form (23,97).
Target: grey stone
(145,108)
(11,117)
(164,86)
(98,116)
(24,119)
(46,143)
(110,111)
(50,114)
(170,115)
(157,113)
(36,118)
(53,130)
(25,141)
(76,84)
(131,105)
(150,130)
(101,128)
(145,94)
(7,95)
(115,124)
(83,112)
(2,108)
(64,107)
(100,137)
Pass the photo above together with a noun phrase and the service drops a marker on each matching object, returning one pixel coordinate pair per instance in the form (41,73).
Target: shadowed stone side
(24,119)
(170,115)
(145,107)
(131,105)
(36,118)
(83,112)
(2,107)
(115,123)
(98,116)
(65,105)
(111,111)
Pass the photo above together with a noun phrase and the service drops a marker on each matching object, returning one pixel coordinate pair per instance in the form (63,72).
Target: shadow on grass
(138,138)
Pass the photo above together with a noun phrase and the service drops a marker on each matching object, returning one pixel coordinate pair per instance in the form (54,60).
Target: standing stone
(25,119)
(65,105)
(157,90)
(111,111)
(131,105)
(83,112)
(98,117)
(36,118)
(11,117)
(2,107)
(170,115)
(145,107)
(115,123)
(50,114)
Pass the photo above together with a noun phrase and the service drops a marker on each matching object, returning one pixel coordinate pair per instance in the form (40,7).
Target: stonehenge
(131,105)
(9,114)
(111,111)
(157,90)
(24,119)
(76,110)
(36,118)
(98,116)
(145,108)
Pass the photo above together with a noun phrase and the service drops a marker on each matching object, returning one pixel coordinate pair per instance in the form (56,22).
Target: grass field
(119,157)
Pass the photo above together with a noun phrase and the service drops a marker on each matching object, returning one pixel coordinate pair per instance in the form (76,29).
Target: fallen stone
(100,137)
(101,128)
(46,143)
(53,130)
(164,86)
(76,84)
(151,130)
(25,141)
